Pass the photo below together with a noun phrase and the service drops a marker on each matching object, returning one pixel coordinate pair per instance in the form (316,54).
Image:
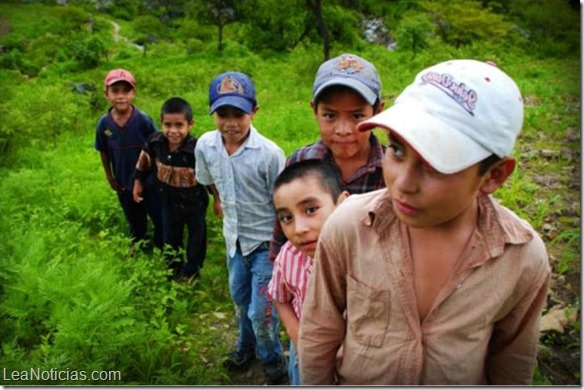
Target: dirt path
(117,37)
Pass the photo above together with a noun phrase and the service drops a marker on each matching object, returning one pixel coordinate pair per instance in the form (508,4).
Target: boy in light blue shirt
(240,166)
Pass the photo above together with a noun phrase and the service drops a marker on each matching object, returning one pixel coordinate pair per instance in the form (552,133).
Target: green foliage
(71,294)
(87,51)
(551,27)
(414,32)
(275,25)
(460,22)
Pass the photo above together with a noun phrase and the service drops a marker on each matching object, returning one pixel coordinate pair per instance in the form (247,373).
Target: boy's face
(120,95)
(302,207)
(175,128)
(233,124)
(337,118)
(423,197)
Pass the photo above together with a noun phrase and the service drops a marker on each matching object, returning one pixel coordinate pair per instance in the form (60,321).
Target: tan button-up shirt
(483,327)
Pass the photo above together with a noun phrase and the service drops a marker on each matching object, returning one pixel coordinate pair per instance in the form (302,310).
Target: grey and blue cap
(351,71)
(233,89)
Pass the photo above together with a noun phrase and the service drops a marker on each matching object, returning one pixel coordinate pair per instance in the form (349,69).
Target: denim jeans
(174,221)
(136,215)
(293,370)
(257,318)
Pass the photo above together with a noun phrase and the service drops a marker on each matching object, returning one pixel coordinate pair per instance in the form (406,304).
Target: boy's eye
(396,149)
(358,116)
(328,115)
(284,218)
(311,210)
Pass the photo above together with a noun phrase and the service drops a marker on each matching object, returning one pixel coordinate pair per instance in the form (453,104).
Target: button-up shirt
(367,178)
(290,277)
(245,182)
(483,327)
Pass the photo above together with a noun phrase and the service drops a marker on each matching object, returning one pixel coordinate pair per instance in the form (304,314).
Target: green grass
(70,294)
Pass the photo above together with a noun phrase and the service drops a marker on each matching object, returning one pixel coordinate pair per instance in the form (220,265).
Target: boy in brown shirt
(441,284)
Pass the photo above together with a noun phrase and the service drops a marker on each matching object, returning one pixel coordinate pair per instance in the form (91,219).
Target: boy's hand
(217,209)
(137,191)
(115,185)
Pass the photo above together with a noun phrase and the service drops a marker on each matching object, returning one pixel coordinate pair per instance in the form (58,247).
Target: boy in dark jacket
(171,155)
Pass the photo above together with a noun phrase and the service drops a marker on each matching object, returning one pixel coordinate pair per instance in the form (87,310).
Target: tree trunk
(220,43)
(316,8)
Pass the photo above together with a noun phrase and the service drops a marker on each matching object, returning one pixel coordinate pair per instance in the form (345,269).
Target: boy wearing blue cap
(346,91)
(431,281)
(240,166)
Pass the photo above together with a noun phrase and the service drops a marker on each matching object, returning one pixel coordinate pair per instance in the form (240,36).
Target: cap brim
(234,101)
(112,82)
(443,147)
(356,85)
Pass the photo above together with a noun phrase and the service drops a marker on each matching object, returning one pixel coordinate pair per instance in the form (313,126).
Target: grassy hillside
(71,297)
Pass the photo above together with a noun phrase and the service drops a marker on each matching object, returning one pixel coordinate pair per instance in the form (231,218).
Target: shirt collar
(252,142)
(374,161)
(496,227)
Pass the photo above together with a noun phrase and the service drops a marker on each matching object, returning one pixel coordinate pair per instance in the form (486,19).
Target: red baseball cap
(116,75)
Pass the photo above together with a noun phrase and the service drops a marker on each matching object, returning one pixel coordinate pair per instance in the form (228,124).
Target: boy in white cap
(441,284)
(240,166)
(346,91)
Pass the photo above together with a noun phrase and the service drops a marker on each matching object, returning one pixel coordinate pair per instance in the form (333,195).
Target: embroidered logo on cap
(463,96)
(349,64)
(230,85)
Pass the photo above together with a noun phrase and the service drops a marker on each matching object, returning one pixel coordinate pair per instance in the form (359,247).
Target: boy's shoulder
(258,139)
(356,207)
(208,138)
(314,150)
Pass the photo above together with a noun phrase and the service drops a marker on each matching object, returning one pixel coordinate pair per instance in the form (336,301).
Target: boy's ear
(497,174)
(380,107)
(254,111)
(342,196)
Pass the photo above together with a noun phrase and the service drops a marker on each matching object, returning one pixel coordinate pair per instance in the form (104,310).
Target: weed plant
(72,297)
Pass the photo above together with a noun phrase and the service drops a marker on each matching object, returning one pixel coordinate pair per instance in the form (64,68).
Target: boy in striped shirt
(305,194)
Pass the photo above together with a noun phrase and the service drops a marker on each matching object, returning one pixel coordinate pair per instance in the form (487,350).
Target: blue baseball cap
(233,89)
(351,71)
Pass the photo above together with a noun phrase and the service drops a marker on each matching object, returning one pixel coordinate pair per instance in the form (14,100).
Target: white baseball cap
(455,114)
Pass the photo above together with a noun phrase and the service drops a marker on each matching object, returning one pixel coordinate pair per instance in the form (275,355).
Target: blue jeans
(257,318)
(137,213)
(293,370)
(174,220)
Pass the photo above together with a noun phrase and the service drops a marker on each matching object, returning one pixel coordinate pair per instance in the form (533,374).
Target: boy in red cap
(120,136)
(431,281)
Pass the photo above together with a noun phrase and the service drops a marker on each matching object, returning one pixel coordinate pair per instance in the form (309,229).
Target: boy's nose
(406,180)
(301,227)
(344,127)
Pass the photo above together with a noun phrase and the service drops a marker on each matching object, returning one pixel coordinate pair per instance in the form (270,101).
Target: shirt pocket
(368,312)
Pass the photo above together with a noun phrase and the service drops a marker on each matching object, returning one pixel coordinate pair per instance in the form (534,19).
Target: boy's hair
(328,177)
(334,90)
(177,105)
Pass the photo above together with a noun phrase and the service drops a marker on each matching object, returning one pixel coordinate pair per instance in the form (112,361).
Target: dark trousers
(137,215)
(174,221)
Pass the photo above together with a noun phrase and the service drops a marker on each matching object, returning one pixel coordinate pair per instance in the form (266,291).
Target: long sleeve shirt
(483,327)
(245,181)
(367,178)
